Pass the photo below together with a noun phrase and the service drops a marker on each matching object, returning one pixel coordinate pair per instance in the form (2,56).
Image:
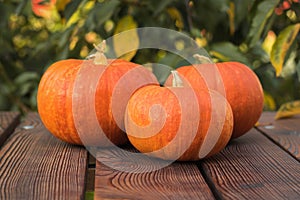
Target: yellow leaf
(201,42)
(61,4)
(84,7)
(231,15)
(219,55)
(281,46)
(126,39)
(269,42)
(269,102)
(288,109)
(176,15)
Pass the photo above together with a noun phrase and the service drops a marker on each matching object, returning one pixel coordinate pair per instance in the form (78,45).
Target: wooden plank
(284,132)
(8,122)
(35,165)
(176,181)
(253,167)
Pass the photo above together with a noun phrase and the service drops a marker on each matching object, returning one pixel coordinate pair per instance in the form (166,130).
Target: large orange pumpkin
(178,123)
(67,105)
(244,93)
(237,83)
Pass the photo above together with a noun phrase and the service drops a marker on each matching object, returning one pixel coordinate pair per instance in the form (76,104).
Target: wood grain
(35,165)
(8,122)
(253,167)
(284,132)
(176,181)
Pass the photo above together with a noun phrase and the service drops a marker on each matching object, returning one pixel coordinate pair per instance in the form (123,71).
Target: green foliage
(236,30)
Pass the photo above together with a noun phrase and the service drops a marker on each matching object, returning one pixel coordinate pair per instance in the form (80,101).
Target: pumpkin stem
(99,57)
(177,82)
(202,59)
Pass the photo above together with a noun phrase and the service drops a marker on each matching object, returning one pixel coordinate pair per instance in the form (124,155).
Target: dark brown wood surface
(284,132)
(176,181)
(8,121)
(253,167)
(35,165)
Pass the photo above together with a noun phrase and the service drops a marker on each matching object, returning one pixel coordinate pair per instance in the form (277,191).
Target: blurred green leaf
(71,8)
(226,51)
(103,11)
(242,10)
(25,88)
(158,7)
(25,77)
(263,12)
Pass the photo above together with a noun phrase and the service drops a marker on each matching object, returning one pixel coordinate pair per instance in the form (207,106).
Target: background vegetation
(263,34)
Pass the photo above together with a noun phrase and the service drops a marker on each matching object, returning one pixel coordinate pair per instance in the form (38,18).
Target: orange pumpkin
(237,83)
(244,93)
(73,93)
(178,123)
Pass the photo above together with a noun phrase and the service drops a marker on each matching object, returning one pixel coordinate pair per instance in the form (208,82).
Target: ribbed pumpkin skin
(244,93)
(55,94)
(137,113)
(241,87)
(54,99)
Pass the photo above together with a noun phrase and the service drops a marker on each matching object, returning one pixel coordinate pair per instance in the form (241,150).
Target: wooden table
(263,164)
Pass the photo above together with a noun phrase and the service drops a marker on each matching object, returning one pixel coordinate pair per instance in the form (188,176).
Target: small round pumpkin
(237,82)
(178,122)
(73,93)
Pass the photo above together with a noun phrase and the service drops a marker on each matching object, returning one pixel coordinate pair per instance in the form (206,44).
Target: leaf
(25,77)
(79,13)
(103,11)
(126,43)
(288,110)
(227,51)
(281,46)
(241,10)
(264,11)
(176,15)
(269,101)
(231,15)
(159,7)
(61,4)
(71,8)
(24,89)
(289,67)
(269,42)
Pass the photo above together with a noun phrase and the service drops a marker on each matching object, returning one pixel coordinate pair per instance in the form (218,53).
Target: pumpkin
(178,122)
(76,97)
(244,93)
(237,82)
